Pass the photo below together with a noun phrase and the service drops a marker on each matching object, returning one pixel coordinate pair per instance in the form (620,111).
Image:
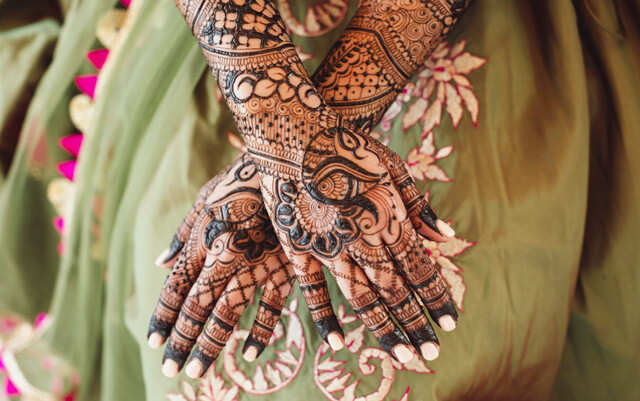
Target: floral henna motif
(361,114)
(324,187)
(230,252)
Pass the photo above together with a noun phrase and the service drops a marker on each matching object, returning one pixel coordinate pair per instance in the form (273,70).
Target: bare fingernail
(403,353)
(447,323)
(335,340)
(170,368)
(155,340)
(194,369)
(430,351)
(250,354)
(160,259)
(445,229)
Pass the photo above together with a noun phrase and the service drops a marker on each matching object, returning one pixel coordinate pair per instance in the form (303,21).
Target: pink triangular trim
(98,57)
(58,223)
(126,3)
(67,169)
(10,389)
(72,143)
(39,319)
(87,84)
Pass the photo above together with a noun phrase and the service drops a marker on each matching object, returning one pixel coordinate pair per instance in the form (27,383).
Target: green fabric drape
(543,187)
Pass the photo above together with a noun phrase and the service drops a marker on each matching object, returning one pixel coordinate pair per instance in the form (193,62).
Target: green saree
(523,129)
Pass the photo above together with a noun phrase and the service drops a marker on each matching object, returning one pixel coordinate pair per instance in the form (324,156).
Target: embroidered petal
(465,63)
(432,117)
(435,173)
(470,102)
(458,48)
(461,80)
(444,152)
(454,105)
(454,247)
(415,113)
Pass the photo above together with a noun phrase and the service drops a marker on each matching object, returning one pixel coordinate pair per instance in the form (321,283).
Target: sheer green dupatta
(29,257)
(145,112)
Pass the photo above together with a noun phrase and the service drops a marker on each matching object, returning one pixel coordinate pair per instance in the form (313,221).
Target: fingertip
(447,323)
(430,351)
(335,340)
(194,369)
(445,229)
(170,368)
(403,353)
(250,354)
(161,259)
(155,340)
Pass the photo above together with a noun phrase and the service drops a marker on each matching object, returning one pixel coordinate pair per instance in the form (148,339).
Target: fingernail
(445,229)
(155,340)
(430,351)
(335,340)
(447,323)
(403,353)
(194,369)
(250,354)
(170,368)
(160,259)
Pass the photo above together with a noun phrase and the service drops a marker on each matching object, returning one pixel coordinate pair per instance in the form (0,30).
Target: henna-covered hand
(231,250)
(356,50)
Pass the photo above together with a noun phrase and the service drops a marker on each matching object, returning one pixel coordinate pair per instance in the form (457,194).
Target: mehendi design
(331,190)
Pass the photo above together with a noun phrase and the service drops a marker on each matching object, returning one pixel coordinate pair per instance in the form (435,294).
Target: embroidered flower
(444,84)
(421,160)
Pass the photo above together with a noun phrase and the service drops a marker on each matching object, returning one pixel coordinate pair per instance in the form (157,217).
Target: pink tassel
(72,143)
(98,57)
(10,389)
(125,3)
(2,368)
(67,169)
(87,84)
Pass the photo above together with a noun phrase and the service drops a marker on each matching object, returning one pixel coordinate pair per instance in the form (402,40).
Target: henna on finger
(274,295)
(423,276)
(178,283)
(183,231)
(227,311)
(397,296)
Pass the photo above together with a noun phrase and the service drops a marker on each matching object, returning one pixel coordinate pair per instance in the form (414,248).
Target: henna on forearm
(359,54)
(322,183)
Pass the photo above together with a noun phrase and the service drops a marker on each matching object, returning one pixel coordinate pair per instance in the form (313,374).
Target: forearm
(273,101)
(384,45)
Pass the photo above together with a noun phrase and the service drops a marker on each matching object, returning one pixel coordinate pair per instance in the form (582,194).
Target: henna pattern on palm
(312,212)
